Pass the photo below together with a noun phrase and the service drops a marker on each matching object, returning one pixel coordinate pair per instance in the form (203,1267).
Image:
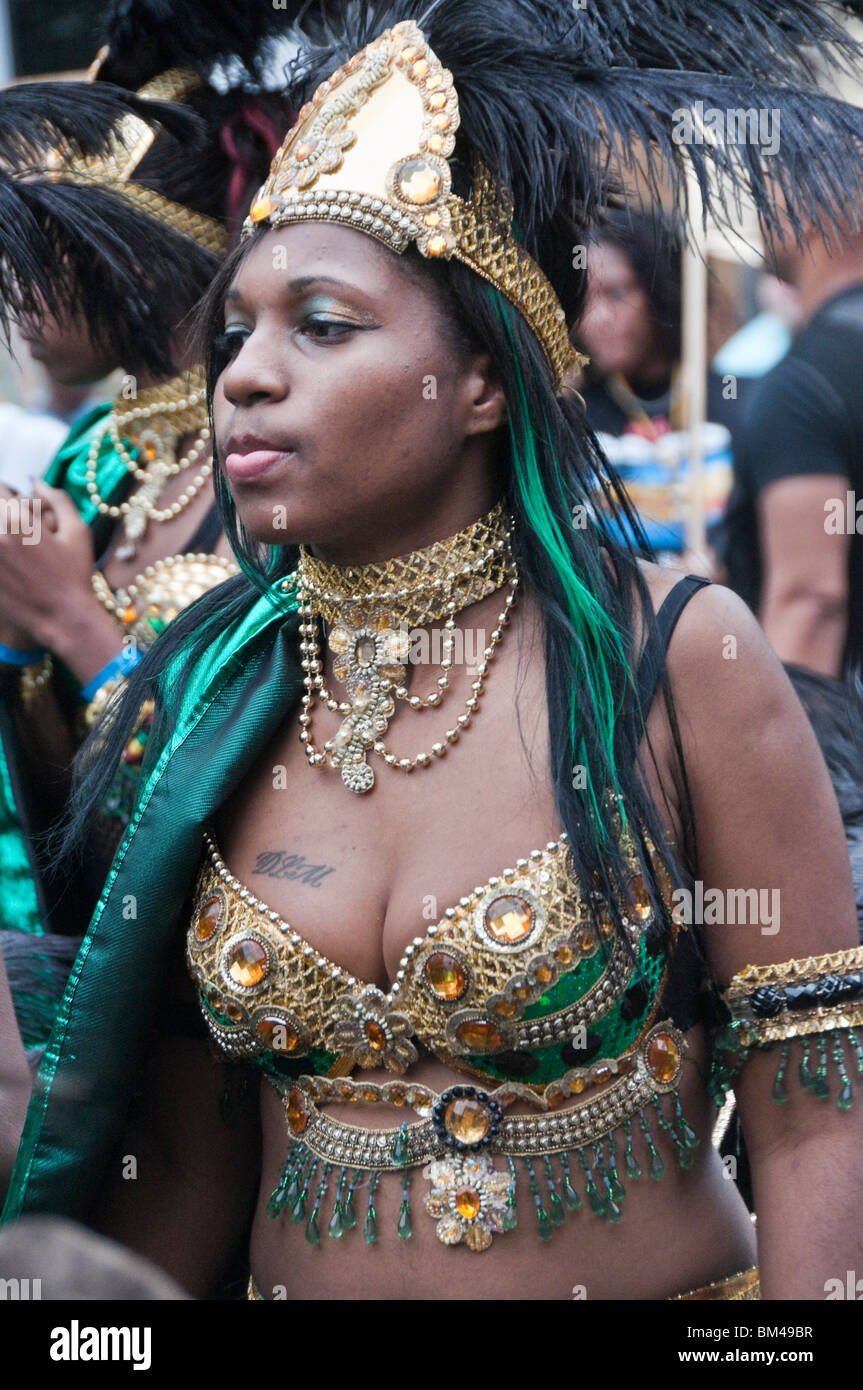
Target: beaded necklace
(152,428)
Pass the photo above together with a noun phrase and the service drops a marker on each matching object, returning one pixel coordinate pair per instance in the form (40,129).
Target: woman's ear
(483,397)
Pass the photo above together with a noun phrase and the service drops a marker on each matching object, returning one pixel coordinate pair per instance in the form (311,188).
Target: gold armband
(817,1000)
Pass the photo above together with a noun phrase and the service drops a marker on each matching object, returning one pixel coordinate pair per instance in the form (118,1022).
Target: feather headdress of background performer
(117,201)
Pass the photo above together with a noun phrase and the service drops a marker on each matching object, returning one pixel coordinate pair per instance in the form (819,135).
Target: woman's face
(64,348)
(346,416)
(617,329)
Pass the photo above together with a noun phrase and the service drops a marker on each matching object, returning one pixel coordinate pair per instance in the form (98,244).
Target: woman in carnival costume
(451,1071)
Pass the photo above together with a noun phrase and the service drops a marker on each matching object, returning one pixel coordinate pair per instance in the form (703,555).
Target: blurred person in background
(631,331)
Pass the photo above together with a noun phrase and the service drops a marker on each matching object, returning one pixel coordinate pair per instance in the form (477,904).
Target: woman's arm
(766,820)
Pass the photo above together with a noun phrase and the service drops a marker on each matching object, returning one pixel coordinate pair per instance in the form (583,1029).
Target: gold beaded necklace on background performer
(370,610)
(153,427)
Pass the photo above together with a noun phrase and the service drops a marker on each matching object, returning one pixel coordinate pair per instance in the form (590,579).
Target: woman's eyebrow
(304,282)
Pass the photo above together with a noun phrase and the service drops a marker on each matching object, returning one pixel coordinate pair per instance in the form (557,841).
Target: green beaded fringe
(305,1179)
(816,1049)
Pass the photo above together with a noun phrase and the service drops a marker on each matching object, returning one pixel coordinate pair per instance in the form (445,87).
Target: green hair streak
(599,648)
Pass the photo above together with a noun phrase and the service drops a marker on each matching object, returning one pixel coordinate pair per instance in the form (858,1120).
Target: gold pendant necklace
(370,609)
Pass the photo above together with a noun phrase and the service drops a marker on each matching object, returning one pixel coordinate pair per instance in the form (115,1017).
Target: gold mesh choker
(371,150)
(419,587)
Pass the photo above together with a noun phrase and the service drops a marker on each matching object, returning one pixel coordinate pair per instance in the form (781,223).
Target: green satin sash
(236,697)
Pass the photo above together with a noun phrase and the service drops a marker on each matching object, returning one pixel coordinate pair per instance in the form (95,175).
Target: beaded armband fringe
(816,1001)
(468,1149)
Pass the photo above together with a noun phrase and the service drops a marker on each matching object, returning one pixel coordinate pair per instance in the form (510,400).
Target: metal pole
(7,56)
(694,366)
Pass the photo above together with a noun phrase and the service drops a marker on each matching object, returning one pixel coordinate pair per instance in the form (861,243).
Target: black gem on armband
(828,990)
(850,987)
(767,1002)
(802,996)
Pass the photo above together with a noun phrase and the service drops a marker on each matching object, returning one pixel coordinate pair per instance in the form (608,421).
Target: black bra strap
(207,534)
(653,656)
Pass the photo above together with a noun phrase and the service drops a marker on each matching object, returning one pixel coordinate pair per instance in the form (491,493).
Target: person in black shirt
(788,548)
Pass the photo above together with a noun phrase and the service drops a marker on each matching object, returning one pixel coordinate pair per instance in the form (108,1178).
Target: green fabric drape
(237,696)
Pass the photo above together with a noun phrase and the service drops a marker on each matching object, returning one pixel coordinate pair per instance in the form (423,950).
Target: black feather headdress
(72,243)
(69,243)
(146,37)
(567,105)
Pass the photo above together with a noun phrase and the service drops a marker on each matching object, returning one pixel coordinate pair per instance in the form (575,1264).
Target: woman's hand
(46,559)
(46,594)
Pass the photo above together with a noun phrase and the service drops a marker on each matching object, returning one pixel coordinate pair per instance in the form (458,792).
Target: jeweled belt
(460,1134)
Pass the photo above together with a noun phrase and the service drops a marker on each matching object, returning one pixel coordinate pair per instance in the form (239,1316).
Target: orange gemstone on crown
(209,917)
(436,245)
(436,143)
(663,1057)
(468,1203)
(305,149)
(247,963)
(419,181)
(479,1035)
(262,208)
(420,68)
(508,919)
(445,976)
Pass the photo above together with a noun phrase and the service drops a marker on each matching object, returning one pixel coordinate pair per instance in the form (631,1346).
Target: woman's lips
(244,468)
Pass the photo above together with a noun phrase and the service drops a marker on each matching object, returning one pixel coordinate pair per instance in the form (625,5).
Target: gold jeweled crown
(130,140)
(371,150)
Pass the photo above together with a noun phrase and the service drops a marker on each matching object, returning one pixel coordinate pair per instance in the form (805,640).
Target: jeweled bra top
(514,983)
